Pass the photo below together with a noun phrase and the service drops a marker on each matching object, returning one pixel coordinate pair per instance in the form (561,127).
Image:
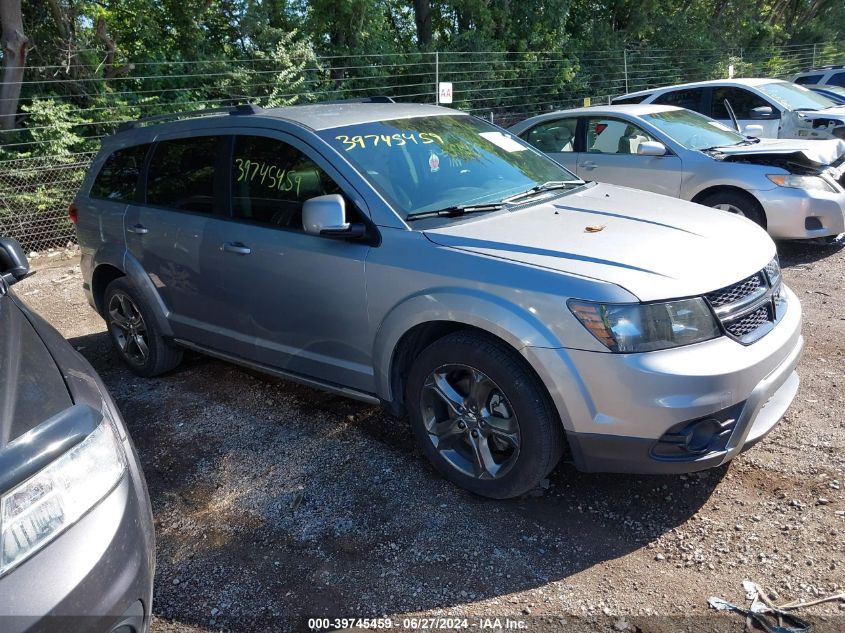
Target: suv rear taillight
(73,212)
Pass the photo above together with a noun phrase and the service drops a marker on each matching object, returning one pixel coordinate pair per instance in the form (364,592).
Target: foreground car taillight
(73,212)
(46,504)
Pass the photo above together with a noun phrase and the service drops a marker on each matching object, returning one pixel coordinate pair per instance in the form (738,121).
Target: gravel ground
(275,503)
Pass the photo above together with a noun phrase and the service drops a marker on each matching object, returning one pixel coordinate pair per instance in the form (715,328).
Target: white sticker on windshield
(505,142)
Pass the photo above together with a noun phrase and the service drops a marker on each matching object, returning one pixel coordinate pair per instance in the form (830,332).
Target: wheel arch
(421,320)
(709,191)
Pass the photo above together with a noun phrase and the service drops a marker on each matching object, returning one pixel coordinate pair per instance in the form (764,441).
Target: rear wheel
(134,332)
(738,203)
(481,416)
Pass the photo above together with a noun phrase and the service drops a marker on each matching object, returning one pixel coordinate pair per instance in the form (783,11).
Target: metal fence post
(625,63)
(814,55)
(437,77)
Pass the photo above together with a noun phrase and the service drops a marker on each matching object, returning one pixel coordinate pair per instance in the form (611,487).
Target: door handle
(236,247)
(138,229)
(588,164)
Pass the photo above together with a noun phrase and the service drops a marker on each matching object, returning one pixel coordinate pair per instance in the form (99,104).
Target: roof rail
(244,108)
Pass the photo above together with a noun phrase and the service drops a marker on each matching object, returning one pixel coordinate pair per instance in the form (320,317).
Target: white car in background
(769,108)
(789,187)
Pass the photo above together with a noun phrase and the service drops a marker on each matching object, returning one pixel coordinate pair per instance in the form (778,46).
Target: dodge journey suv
(421,258)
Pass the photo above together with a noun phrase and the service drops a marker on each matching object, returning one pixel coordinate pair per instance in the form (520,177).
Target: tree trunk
(15,45)
(103,35)
(422,15)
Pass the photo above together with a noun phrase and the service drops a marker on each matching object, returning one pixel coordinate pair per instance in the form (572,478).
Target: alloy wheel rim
(470,421)
(129,328)
(730,208)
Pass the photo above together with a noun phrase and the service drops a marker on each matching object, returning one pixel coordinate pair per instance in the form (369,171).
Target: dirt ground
(275,503)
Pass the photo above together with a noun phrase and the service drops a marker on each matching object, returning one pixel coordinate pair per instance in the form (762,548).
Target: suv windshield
(425,164)
(794,97)
(693,130)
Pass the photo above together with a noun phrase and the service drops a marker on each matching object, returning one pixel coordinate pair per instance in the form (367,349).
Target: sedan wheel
(730,208)
(470,421)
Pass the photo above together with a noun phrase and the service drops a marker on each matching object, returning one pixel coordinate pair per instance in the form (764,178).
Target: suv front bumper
(616,408)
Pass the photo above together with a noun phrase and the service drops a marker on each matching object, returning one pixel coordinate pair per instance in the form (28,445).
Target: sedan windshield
(431,163)
(794,97)
(693,130)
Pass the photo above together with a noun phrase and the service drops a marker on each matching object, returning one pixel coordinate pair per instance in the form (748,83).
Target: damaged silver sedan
(795,189)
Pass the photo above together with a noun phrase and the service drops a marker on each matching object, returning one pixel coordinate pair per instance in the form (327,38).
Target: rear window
(118,177)
(181,174)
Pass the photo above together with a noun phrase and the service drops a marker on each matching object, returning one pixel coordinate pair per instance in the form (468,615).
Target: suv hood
(31,386)
(808,153)
(654,246)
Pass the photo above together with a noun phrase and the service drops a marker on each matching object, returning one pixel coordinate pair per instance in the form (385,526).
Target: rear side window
(690,99)
(271,180)
(808,80)
(837,79)
(118,178)
(554,136)
(181,174)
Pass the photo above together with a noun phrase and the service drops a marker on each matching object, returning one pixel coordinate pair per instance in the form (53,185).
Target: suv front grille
(749,309)
(747,324)
(738,292)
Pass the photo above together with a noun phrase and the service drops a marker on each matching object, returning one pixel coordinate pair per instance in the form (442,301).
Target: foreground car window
(271,180)
(795,97)
(693,130)
(428,163)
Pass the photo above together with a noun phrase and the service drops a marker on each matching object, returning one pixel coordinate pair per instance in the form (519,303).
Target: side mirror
(763,112)
(13,263)
(754,131)
(326,216)
(651,148)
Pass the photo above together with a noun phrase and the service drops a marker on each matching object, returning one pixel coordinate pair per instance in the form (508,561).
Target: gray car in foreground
(792,188)
(76,531)
(422,258)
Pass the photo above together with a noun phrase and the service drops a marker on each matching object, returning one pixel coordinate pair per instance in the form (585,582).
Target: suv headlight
(46,504)
(638,327)
(793,181)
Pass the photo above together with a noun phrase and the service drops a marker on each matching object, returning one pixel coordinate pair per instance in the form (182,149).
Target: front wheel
(738,203)
(481,416)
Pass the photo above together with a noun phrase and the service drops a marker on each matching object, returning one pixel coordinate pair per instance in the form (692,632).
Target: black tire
(737,202)
(515,393)
(123,304)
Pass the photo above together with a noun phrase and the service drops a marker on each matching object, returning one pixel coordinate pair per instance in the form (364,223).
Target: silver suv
(422,258)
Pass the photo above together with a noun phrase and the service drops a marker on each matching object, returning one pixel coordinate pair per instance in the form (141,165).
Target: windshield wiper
(546,186)
(455,210)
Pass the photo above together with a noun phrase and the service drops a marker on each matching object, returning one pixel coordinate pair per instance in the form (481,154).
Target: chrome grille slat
(749,308)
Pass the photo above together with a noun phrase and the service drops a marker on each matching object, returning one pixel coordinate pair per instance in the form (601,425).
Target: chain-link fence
(66,113)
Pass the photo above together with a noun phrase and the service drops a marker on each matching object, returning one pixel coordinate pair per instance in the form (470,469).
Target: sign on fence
(445,92)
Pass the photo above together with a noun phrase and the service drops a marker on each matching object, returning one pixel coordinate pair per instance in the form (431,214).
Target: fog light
(693,438)
(699,435)
(813,224)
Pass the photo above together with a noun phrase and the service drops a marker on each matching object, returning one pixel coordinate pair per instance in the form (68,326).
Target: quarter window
(807,80)
(742,102)
(118,178)
(612,136)
(271,180)
(553,137)
(181,174)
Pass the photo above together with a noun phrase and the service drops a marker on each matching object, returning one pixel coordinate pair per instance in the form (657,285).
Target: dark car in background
(76,530)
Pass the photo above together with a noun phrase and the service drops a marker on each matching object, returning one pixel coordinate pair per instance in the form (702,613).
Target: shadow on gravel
(798,252)
(275,503)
